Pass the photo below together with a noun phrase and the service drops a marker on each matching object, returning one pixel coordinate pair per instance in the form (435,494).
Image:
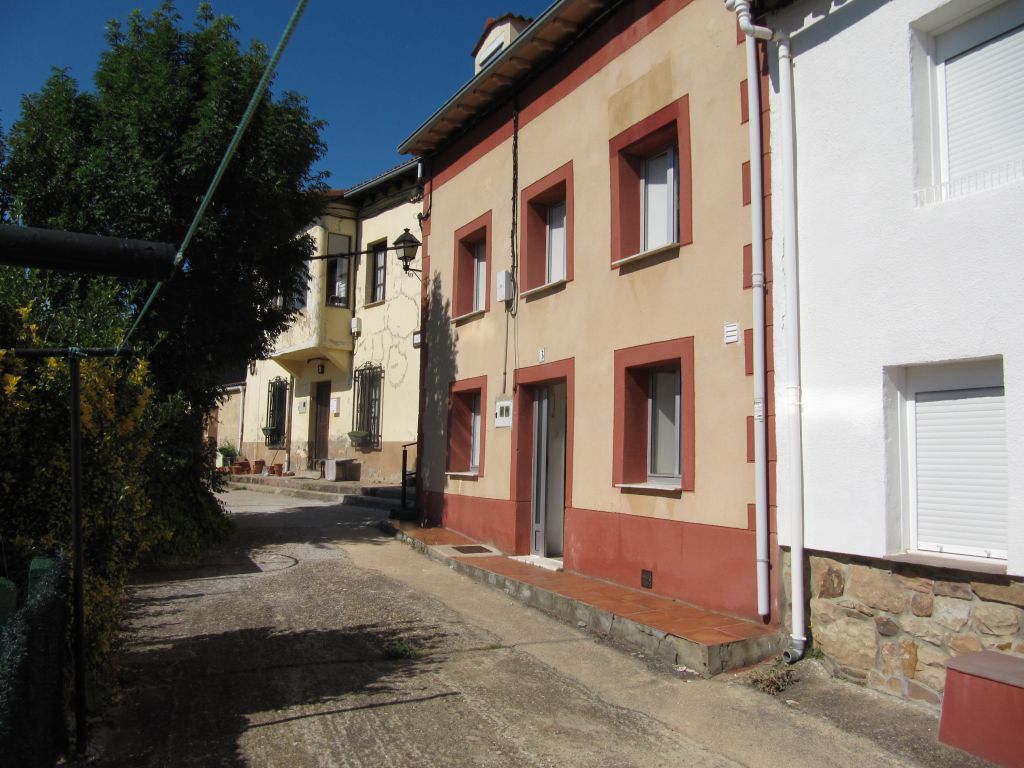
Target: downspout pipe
(792,327)
(757,278)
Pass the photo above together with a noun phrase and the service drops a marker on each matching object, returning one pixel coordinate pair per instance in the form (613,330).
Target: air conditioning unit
(357,326)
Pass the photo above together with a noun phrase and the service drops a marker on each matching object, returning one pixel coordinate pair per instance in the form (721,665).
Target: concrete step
(702,658)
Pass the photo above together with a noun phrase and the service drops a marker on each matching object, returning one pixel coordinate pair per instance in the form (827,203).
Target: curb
(704,660)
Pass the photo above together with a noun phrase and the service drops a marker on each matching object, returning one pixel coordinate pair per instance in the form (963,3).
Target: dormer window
(491,52)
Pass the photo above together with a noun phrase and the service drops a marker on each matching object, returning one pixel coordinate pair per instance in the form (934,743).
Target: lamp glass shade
(406,245)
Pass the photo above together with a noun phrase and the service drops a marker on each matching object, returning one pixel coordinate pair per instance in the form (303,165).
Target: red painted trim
(460,425)
(626,27)
(629,444)
(467,236)
(534,201)
(711,566)
(491,521)
(670,124)
(522,426)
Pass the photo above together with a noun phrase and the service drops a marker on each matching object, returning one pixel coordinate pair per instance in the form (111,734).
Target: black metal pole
(79,557)
(405,464)
(93,254)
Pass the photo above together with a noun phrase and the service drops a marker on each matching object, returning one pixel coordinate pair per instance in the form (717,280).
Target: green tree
(133,158)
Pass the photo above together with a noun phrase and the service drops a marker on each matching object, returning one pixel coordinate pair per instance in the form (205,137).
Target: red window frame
(466,239)
(535,200)
(668,126)
(633,366)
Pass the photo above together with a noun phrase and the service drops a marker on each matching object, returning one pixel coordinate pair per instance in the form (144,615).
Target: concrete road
(314,640)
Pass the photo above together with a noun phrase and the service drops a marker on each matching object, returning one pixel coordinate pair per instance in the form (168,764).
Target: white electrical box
(503,411)
(357,326)
(505,285)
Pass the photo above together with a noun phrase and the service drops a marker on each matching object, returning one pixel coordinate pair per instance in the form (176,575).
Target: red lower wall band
(707,565)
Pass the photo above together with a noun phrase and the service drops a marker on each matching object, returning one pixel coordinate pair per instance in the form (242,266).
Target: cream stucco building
(343,380)
(587,388)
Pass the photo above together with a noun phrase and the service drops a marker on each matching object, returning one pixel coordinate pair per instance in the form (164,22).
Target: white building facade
(909,124)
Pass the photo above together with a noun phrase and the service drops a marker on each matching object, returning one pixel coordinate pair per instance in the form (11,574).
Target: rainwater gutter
(792,327)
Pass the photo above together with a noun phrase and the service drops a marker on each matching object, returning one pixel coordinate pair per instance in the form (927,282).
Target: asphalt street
(313,639)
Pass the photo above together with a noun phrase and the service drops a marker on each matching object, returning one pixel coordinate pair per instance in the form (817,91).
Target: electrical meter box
(505,285)
(503,411)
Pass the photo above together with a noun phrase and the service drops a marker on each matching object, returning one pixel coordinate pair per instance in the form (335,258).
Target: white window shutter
(984,96)
(960,468)
(658,200)
(479,276)
(556,243)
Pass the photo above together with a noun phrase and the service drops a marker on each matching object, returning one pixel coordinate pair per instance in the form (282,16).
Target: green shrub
(33,674)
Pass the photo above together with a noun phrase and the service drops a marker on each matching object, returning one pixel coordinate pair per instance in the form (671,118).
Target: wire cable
(257,96)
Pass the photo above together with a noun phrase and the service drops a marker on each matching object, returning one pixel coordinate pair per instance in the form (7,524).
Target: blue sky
(373,70)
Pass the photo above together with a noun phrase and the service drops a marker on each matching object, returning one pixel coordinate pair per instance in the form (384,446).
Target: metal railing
(406,474)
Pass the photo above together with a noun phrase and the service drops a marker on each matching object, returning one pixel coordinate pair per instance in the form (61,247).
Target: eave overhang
(547,37)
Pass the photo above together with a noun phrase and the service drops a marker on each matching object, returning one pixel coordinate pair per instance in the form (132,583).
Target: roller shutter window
(959,472)
(981,92)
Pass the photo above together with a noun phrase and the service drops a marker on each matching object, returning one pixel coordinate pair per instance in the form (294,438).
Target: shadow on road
(322,527)
(192,699)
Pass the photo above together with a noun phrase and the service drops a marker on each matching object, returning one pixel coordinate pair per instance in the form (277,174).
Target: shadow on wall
(442,368)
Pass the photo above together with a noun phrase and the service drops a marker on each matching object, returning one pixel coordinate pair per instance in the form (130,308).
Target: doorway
(321,422)
(548,491)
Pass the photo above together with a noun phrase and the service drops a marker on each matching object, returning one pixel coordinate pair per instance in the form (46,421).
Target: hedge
(34,672)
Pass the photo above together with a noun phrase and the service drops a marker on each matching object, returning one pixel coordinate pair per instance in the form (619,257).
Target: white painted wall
(882,282)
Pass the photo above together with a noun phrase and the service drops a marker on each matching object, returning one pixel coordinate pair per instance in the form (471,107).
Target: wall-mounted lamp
(320,368)
(406,244)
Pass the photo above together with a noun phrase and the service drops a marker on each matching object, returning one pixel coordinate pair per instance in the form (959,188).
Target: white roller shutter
(960,472)
(984,100)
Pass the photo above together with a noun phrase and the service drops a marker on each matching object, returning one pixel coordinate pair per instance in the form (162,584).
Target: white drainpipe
(792,326)
(241,418)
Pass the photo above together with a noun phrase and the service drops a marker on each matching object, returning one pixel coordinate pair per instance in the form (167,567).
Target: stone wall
(892,626)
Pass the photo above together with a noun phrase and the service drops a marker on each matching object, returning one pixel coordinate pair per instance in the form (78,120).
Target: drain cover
(471,549)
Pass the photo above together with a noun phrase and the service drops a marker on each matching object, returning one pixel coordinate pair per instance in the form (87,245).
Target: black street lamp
(406,244)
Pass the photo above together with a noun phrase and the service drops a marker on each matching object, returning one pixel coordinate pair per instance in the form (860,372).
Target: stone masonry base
(893,626)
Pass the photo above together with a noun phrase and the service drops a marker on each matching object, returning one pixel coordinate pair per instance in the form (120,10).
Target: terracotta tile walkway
(679,619)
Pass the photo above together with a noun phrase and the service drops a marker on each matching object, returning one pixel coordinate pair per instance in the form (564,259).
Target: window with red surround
(653,437)
(651,186)
(472,278)
(546,229)
(467,427)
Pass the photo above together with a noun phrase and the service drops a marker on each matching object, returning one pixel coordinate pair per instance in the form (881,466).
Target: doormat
(471,549)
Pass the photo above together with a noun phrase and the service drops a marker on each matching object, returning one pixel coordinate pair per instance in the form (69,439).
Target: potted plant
(228,453)
(359,438)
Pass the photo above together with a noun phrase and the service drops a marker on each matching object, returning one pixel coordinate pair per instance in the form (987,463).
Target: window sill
(953,562)
(373,304)
(541,289)
(645,255)
(466,475)
(673,490)
(469,316)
